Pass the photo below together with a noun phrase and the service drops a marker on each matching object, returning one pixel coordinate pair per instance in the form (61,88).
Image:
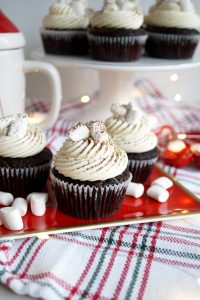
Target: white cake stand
(116,79)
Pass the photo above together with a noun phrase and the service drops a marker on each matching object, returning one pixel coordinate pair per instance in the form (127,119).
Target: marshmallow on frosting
(131,129)
(90,154)
(18,138)
(169,13)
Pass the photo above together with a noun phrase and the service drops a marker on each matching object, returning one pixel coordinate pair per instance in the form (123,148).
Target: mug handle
(54,78)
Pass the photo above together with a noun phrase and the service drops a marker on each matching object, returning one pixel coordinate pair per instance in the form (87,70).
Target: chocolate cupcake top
(68,15)
(118,14)
(90,154)
(18,138)
(130,129)
(177,13)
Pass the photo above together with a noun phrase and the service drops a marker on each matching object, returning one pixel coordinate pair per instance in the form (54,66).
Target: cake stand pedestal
(116,79)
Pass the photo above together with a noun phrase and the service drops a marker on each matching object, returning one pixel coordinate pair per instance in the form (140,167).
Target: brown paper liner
(141,169)
(65,42)
(121,49)
(22,181)
(171,46)
(86,202)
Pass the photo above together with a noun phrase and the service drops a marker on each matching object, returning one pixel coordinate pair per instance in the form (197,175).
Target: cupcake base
(171,43)
(141,164)
(89,200)
(21,176)
(65,42)
(116,45)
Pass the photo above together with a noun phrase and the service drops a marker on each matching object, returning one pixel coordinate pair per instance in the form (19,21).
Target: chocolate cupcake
(64,29)
(131,131)
(116,33)
(24,159)
(173,29)
(90,174)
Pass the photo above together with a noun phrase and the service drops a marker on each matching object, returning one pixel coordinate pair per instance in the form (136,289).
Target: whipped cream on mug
(90,154)
(131,129)
(118,14)
(68,15)
(178,14)
(18,138)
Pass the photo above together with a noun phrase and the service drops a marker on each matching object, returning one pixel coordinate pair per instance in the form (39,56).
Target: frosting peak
(118,14)
(177,13)
(68,15)
(131,129)
(18,138)
(90,154)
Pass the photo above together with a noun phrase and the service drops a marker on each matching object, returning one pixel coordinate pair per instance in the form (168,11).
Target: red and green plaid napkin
(159,260)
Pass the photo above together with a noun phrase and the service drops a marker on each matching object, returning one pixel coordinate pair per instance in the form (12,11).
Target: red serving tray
(181,203)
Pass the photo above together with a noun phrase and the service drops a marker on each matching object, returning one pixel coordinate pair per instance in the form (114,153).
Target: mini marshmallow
(98,131)
(18,127)
(21,204)
(135,190)
(118,110)
(6,199)
(176,146)
(79,132)
(5,121)
(163,182)
(79,7)
(158,193)
(11,218)
(38,203)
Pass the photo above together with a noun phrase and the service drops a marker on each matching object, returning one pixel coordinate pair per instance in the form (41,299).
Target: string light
(178,97)
(174,77)
(181,136)
(85,99)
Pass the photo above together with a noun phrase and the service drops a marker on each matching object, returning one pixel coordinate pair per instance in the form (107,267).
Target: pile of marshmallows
(11,215)
(157,190)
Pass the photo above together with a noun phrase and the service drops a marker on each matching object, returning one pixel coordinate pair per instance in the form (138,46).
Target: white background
(28,15)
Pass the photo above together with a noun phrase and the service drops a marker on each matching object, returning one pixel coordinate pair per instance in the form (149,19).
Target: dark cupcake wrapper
(168,45)
(65,42)
(141,169)
(22,181)
(88,202)
(121,48)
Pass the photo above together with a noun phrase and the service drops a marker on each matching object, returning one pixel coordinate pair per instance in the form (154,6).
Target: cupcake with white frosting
(173,28)
(89,173)
(116,32)
(130,129)
(65,28)
(24,159)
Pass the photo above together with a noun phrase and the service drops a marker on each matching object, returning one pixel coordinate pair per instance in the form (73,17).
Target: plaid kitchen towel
(153,261)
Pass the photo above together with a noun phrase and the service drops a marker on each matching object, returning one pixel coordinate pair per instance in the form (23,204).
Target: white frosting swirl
(133,137)
(26,141)
(62,15)
(113,15)
(173,14)
(90,159)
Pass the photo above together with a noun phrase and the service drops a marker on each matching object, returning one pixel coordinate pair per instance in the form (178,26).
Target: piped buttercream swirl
(74,15)
(173,14)
(134,136)
(113,15)
(91,158)
(18,138)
